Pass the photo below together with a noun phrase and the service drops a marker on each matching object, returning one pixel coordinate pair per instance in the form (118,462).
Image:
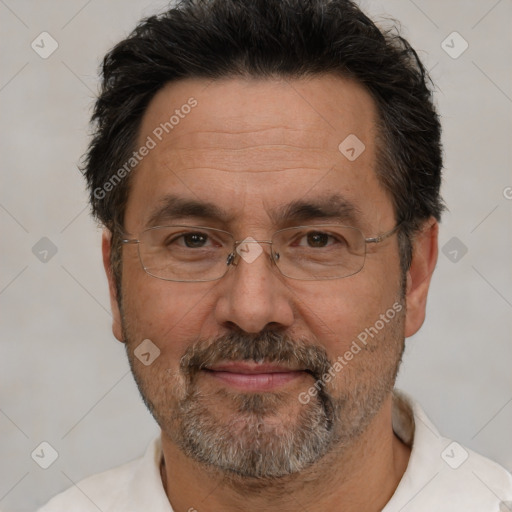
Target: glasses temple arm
(380,238)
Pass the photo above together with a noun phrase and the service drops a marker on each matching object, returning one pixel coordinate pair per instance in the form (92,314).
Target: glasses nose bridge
(236,255)
(250,240)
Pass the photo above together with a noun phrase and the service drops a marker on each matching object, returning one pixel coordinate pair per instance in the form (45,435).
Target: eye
(318,239)
(195,239)
(192,240)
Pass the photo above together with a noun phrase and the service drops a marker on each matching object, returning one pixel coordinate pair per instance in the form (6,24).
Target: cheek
(169,314)
(339,311)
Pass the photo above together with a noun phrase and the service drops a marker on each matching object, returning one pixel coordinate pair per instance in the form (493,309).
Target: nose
(253,295)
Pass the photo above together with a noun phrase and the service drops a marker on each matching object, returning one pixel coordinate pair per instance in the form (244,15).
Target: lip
(252,376)
(250,367)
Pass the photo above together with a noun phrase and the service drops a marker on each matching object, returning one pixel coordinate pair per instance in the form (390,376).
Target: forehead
(248,144)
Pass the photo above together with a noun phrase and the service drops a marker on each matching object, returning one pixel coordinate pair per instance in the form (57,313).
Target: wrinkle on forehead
(315,113)
(270,149)
(279,135)
(258,159)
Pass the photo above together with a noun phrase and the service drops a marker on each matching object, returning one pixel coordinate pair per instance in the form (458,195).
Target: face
(259,374)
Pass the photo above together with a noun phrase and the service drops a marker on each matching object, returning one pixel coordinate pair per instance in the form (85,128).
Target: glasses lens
(319,252)
(185,253)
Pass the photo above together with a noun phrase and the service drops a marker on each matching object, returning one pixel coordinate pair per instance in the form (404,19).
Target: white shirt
(442,476)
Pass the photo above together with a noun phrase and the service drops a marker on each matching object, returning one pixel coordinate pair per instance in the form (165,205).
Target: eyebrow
(172,207)
(333,207)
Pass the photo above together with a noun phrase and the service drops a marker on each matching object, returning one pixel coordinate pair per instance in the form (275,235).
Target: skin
(249,146)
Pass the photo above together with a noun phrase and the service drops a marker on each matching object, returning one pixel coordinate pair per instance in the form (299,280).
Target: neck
(362,477)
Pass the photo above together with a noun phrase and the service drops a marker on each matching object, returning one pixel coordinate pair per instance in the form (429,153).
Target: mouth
(253,376)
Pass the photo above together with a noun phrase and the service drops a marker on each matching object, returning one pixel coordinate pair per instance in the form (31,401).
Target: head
(249,118)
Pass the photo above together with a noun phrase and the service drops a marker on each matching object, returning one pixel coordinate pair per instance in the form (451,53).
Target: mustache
(266,346)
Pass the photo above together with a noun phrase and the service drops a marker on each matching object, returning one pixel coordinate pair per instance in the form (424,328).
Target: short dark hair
(215,39)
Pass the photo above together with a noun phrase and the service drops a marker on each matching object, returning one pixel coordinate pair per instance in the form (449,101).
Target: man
(268,175)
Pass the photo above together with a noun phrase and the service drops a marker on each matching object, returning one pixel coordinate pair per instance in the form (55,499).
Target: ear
(106,249)
(424,259)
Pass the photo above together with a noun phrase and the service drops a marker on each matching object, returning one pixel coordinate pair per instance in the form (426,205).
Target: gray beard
(249,445)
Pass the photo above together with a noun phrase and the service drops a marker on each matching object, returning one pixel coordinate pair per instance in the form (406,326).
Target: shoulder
(130,487)
(444,475)
(95,492)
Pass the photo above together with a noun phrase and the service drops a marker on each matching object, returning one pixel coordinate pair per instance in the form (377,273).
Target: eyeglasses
(195,253)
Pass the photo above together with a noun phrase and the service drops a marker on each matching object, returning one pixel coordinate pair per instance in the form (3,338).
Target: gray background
(64,377)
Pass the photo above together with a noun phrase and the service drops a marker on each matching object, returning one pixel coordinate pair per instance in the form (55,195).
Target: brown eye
(317,239)
(195,240)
